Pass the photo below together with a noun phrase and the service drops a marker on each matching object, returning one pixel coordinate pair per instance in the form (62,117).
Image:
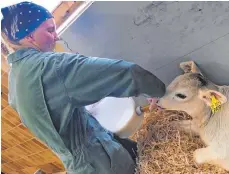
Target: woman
(49,91)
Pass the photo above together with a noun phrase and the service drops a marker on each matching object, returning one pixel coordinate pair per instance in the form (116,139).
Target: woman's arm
(89,79)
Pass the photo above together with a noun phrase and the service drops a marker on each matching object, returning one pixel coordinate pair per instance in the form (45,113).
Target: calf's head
(191,92)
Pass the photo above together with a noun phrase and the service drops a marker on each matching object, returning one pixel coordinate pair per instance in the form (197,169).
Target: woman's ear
(29,41)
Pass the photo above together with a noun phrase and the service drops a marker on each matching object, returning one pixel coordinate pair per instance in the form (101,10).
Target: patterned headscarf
(22,19)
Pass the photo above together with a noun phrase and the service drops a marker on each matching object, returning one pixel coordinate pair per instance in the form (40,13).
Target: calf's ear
(207,94)
(190,67)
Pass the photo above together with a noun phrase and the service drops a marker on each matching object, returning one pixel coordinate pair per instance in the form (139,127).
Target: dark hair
(203,81)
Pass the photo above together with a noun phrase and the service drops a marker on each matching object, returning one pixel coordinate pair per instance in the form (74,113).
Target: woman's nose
(57,38)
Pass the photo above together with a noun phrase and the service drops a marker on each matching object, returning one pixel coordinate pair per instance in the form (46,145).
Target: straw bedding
(163,149)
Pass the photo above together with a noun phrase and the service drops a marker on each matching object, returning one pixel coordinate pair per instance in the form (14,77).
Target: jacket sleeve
(89,79)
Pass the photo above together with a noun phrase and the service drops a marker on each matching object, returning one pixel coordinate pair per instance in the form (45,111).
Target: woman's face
(45,36)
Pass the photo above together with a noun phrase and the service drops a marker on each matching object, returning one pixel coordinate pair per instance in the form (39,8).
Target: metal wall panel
(157,35)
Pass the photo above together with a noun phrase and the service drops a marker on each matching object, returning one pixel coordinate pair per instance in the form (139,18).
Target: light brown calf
(193,93)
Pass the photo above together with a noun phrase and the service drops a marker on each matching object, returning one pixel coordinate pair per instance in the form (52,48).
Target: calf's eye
(182,96)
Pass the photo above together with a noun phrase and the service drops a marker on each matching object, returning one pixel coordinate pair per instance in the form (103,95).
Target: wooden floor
(22,153)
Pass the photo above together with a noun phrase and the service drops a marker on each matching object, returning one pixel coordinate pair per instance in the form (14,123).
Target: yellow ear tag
(215,104)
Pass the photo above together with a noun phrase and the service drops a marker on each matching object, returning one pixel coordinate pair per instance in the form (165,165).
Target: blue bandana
(22,19)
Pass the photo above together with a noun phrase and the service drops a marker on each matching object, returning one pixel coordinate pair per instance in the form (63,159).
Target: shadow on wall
(216,72)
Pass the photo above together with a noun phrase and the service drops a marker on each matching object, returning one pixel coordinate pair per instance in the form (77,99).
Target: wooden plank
(5,66)
(10,156)
(47,156)
(11,116)
(30,170)
(15,136)
(14,166)
(41,158)
(36,160)
(22,134)
(6,144)
(58,163)
(15,172)
(10,110)
(64,10)
(70,3)
(10,139)
(3,161)
(29,161)
(33,146)
(6,125)
(6,169)
(4,74)
(5,158)
(25,162)
(25,131)
(5,80)
(3,147)
(62,172)
(4,96)
(4,89)
(16,152)
(18,165)
(38,142)
(19,133)
(50,168)
(4,103)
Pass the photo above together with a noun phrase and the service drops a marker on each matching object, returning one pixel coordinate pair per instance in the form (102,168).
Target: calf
(207,104)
